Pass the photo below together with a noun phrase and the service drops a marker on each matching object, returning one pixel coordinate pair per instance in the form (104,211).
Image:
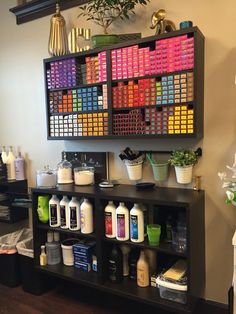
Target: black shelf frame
(192,202)
(198,73)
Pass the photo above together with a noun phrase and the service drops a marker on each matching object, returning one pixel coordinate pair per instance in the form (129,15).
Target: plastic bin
(32,281)
(9,259)
(171,291)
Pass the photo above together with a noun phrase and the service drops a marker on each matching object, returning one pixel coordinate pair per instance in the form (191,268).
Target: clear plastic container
(172,292)
(84,175)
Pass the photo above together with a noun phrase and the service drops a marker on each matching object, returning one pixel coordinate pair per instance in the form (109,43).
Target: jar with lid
(84,175)
(64,171)
(46,178)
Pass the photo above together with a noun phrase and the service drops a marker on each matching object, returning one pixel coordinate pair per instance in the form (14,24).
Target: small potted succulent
(183,160)
(104,13)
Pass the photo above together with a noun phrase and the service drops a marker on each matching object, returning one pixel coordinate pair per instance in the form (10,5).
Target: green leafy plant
(183,157)
(105,12)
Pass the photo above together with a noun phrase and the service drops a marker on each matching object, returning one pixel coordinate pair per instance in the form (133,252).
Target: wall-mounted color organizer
(150,87)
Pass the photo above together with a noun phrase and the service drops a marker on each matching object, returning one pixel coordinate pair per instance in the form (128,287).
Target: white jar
(136,224)
(86,212)
(64,212)
(84,175)
(74,214)
(122,222)
(110,220)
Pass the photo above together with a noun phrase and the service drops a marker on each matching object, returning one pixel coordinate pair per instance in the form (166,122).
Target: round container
(67,251)
(84,175)
(135,171)
(184,174)
(46,178)
(64,172)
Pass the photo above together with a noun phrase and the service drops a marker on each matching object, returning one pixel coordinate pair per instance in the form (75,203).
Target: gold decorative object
(57,44)
(197,183)
(160,23)
(79,39)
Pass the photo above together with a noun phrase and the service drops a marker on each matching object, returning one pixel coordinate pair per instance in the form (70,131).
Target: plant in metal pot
(105,12)
(183,160)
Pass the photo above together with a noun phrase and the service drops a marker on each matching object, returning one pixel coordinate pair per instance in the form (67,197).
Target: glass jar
(64,171)
(46,178)
(84,175)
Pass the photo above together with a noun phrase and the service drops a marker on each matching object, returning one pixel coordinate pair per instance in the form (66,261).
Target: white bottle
(74,214)
(110,220)
(20,167)
(11,173)
(54,212)
(142,271)
(64,212)
(122,222)
(136,224)
(86,214)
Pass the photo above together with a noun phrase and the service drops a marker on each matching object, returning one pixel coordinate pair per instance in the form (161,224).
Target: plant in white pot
(183,160)
(105,12)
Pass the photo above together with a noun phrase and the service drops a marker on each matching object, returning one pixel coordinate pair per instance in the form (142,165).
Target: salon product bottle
(74,214)
(54,212)
(133,258)
(142,271)
(64,212)
(20,167)
(53,250)
(110,220)
(122,222)
(43,256)
(169,229)
(145,217)
(115,265)
(86,216)
(136,224)
(125,249)
(11,172)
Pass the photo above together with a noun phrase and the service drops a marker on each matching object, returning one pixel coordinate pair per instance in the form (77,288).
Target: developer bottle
(110,220)
(115,265)
(11,173)
(54,212)
(20,167)
(136,224)
(53,250)
(74,214)
(86,212)
(142,271)
(122,222)
(64,212)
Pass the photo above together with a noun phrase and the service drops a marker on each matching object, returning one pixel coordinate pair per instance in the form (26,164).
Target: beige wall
(23,124)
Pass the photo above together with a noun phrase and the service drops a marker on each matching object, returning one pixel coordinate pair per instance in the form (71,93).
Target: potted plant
(104,13)
(183,160)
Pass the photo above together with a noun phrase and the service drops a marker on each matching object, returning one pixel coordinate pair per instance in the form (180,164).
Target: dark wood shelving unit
(159,202)
(14,189)
(197,104)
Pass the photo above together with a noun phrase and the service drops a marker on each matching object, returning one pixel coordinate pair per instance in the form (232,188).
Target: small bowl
(145,186)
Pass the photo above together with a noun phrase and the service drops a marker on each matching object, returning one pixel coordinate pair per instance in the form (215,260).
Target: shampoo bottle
(115,265)
(133,258)
(136,224)
(20,167)
(74,214)
(86,212)
(142,271)
(110,220)
(54,212)
(64,212)
(122,222)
